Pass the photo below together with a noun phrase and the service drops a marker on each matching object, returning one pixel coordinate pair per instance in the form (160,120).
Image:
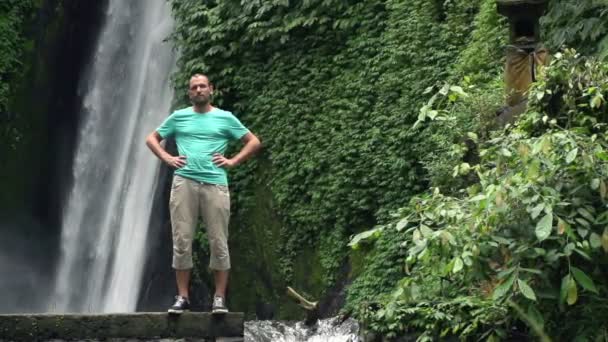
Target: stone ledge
(139,325)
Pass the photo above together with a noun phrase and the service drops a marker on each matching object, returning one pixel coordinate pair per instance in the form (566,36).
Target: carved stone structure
(524,52)
(135,326)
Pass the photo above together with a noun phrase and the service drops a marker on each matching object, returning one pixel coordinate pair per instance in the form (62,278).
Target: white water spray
(127,94)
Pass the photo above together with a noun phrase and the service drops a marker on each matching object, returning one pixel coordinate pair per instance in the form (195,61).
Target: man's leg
(221,282)
(184,208)
(215,208)
(183,282)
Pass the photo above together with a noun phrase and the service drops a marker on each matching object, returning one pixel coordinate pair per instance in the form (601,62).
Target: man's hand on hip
(221,161)
(176,162)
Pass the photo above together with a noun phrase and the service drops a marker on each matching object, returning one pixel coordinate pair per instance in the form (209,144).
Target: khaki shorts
(189,199)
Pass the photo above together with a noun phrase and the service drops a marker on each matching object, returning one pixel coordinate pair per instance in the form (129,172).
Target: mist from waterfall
(126,95)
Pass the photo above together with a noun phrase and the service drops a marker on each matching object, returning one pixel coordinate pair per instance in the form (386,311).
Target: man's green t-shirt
(200,135)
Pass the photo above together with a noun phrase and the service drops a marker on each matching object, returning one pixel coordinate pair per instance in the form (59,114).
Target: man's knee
(182,260)
(220,256)
(182,253)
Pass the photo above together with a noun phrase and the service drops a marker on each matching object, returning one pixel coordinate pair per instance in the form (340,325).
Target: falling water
(106,216)
(326,330)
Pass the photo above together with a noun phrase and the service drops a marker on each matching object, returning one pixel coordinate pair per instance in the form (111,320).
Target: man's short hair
(199,75)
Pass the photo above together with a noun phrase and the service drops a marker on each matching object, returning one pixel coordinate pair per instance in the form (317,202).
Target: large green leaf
(458,265)
(571,155)
(503,288)
(572,295)
(525,289)
(583,279)
(596,101)
(586,214)
(543,227)
(368,234)
(595,183)
(402,223)
(595,240)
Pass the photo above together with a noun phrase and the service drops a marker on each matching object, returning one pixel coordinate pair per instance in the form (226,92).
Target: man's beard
(199,100)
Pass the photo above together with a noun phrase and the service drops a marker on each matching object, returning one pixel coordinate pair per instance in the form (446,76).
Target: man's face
(200,90)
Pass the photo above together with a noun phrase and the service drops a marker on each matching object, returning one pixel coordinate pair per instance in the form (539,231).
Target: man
(200,185)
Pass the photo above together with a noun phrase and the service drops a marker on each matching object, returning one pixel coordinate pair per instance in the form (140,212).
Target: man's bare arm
(153,142)
(252,145)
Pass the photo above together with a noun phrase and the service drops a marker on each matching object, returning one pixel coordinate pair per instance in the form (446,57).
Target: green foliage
(579,24)
(459,117)
(514,224)
(483,56)
(14,15)
(331,87)
(382,269)
(441,146)
(530,234)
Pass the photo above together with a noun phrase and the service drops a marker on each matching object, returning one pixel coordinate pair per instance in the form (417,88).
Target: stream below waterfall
(326,330)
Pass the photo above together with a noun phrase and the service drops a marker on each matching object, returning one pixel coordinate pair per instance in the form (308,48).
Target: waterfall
(126,95)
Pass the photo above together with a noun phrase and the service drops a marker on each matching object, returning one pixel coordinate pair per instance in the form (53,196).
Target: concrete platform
(138,325)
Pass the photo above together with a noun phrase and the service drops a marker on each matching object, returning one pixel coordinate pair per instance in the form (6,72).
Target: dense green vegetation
(331,87)
(363,106)
(14,15)
(18,121)
(526,237)
(577,23)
